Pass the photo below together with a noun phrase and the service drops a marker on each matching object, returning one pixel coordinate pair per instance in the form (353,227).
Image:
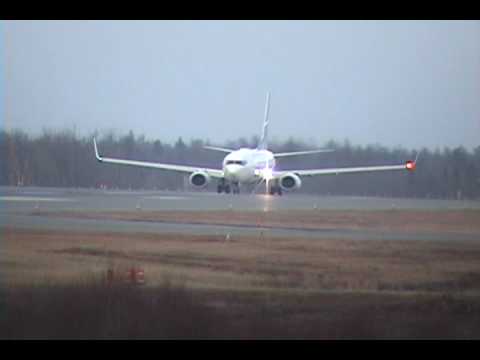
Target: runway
(18,204)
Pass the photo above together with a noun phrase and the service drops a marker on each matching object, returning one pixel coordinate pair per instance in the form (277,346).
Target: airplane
(253,166)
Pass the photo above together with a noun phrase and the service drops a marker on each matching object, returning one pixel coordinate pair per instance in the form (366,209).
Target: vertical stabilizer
(262,144)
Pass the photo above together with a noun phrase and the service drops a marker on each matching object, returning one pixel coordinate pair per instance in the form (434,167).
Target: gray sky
(409,83)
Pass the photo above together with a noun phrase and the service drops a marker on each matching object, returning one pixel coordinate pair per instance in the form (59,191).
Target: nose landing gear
(225,187)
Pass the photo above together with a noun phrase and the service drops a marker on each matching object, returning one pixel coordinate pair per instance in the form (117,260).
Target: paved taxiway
(17,205)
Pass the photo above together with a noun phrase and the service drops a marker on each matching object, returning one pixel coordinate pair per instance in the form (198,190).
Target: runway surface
(17,205)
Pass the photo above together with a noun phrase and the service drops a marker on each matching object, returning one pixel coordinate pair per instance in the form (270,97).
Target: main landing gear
(275,188)
(236,188)
(225,187)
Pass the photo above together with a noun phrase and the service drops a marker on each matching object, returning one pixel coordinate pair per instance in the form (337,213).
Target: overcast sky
(409,83)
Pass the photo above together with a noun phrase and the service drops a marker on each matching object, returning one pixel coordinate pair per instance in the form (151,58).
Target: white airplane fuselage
(248,165)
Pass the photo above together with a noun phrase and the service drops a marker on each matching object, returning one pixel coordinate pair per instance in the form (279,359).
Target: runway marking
(31,198)
(167,197)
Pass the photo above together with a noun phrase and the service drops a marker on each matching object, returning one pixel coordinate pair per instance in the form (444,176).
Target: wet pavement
(18,204)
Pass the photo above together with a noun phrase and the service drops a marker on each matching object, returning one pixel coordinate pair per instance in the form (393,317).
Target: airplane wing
(285,154)
(181,168)
(408,165)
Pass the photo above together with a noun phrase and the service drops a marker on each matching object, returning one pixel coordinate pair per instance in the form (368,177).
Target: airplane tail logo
(262,144)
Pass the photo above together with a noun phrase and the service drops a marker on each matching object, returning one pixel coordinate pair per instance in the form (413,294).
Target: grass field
(461,221)
(246,287)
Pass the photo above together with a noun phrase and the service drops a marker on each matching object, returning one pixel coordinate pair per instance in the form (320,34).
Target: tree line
(63,159)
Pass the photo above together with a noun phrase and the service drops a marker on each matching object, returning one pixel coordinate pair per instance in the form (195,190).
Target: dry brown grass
(248,287)
(250,263)
(466,221)
(96,310)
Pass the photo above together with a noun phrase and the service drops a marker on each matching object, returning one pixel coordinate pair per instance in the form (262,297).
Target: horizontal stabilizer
(295,153)
(216,148)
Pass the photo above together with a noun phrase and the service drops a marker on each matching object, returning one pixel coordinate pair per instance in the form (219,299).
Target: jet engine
(290,181)
(199,179)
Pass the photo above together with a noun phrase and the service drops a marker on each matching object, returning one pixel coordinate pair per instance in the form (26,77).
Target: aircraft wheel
(279,191)
(227,189)
(219,189)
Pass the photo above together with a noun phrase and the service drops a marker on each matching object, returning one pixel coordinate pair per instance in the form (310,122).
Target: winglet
(416,157)
(99,158)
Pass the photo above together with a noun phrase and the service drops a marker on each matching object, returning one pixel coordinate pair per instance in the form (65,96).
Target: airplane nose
(232,170)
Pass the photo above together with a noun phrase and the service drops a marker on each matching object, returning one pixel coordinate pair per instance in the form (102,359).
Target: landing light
(267,174)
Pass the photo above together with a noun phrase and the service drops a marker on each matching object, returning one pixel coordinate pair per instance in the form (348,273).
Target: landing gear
(235,188)
(275,188)
(223,186)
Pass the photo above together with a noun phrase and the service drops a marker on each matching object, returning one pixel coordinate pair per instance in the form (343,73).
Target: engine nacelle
(199,179)
(290,181)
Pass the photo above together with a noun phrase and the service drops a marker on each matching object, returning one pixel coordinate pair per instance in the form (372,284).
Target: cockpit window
(237,162)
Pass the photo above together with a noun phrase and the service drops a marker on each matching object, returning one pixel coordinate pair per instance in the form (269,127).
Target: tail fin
(262,144)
